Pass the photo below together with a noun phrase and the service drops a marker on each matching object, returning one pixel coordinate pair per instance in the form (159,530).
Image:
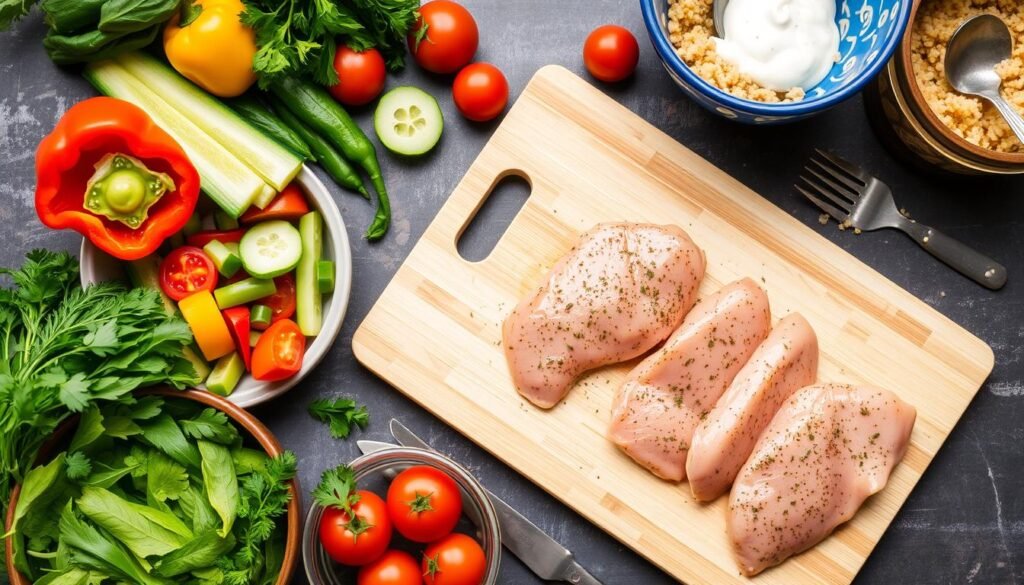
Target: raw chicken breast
(828,449)
(617,294)
(665,397)
(781,365)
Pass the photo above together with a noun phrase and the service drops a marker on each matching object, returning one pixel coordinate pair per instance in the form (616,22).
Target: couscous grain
(971,118)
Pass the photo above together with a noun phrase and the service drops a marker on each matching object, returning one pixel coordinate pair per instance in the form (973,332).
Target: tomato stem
(421,503)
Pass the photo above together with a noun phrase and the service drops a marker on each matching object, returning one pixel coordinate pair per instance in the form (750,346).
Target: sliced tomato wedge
(185,271)
(279,352)
(237,319)
(200,239)
(282,302)
(290,204)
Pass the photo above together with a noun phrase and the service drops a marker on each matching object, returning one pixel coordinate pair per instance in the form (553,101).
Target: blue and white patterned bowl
(870,30)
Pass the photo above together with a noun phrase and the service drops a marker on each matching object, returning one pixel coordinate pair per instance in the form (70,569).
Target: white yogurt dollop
(781,44)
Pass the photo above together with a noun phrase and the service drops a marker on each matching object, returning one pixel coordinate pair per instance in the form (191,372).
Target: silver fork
(857,199)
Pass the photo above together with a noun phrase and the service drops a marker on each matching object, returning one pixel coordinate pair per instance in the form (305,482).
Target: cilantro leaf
(211,425)
(337,489)
(79,466)
(342,414)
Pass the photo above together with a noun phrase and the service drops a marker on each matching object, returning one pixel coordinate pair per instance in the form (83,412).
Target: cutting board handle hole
(483,230)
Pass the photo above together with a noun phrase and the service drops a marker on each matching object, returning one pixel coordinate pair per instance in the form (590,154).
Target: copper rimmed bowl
(904,114)
(258,434)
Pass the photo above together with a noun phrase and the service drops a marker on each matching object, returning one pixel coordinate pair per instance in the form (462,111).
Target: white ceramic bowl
(97,266)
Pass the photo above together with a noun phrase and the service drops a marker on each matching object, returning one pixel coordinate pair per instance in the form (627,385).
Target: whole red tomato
(358,539)
(424,504)
(394,567)
(611,53)
(360,76)
(450,39)
(480,91)
(454,560)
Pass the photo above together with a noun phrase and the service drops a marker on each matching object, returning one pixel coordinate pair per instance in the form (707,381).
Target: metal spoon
(976,48)
(719,12)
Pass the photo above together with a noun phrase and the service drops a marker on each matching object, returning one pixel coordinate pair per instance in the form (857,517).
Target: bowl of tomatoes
(264,294)
(401,516)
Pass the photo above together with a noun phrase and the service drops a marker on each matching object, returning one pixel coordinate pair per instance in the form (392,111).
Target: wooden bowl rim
(905,66)
(250,423)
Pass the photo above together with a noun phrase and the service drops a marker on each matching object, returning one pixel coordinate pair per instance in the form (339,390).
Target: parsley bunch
(298,38)
(342,414)
(64,348)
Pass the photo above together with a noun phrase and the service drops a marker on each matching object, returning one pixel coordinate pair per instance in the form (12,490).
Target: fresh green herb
(264,498)
(341,414)
(299,37)
(132,513)
(211,425)
(337,489)
(64,348)
(79,466)
(13,10)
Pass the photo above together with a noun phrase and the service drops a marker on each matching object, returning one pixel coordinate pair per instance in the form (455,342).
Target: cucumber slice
(226,261)
(226,374)
(229,181)
(308,304)
(408,121)
(270,249)
(325,275)
(242,292)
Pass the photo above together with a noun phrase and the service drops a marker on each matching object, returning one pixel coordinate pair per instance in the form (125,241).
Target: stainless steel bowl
(374,472)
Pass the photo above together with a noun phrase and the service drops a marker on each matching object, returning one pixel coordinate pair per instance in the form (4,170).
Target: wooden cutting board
(435,333)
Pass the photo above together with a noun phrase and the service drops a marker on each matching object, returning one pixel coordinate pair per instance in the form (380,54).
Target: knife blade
(543,555)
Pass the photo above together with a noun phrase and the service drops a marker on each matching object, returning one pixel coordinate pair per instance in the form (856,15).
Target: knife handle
(579,576)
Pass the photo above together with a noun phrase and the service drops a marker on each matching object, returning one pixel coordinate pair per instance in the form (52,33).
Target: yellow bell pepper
(207,43)
(208,327)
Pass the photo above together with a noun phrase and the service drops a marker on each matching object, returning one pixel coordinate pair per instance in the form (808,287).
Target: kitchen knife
(542,554)
(538,551)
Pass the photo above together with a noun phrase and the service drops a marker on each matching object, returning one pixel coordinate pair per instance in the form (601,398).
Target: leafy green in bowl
(178,487)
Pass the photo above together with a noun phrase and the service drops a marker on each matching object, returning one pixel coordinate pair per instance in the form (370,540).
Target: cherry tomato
(187,270)
(454,560)
(424,504)
(360,76)
(359,541)
(480,91)
(279,352)
(450,40)
(394,567)
(290,204)
(282,302)
(200,239)
(611,53)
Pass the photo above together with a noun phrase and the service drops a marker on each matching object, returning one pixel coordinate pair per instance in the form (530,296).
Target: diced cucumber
(145,273)
(259,316)
(274,163)
(270,248)
(325,276)
(233,248)
(226,261)
(243,291)
(224,221)
(308,305)
(408,121)
(229,182)
(226,374)
(254,338)
(193,225)
(265,197)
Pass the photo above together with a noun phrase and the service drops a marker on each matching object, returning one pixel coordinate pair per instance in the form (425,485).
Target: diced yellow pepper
(208,326)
